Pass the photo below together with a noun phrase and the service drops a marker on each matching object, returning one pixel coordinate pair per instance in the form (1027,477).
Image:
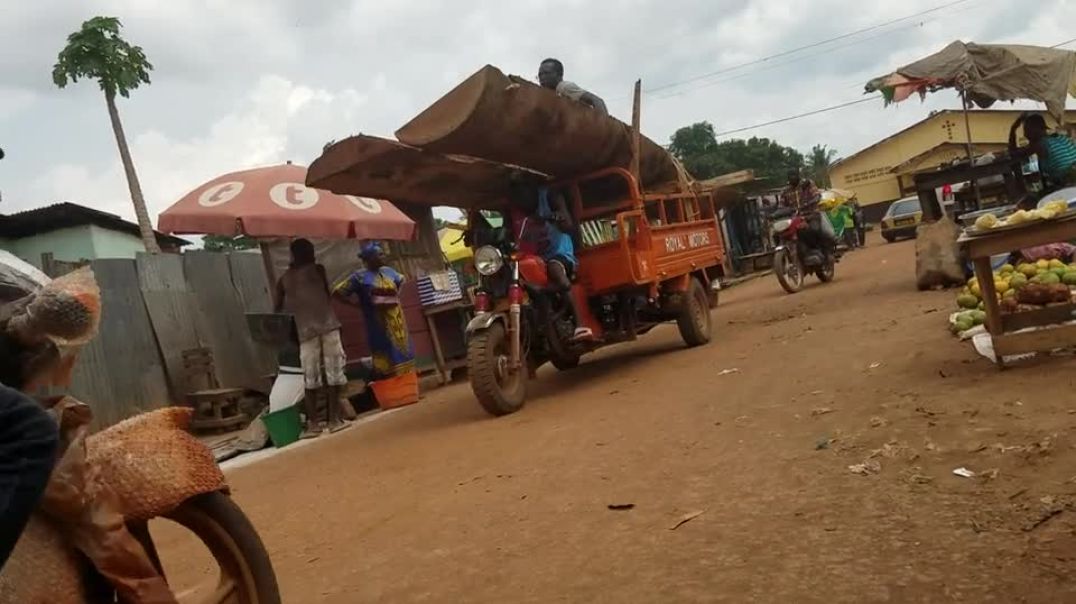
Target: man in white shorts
(303,291)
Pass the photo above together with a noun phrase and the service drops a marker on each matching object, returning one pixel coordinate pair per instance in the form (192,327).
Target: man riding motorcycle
(541,226)
(802,196)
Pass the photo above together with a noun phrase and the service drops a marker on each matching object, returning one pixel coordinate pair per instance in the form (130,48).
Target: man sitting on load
(546,232)
(1056,151)
(551,76)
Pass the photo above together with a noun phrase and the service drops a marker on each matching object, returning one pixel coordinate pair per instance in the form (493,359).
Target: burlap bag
(140,469)
(937,255)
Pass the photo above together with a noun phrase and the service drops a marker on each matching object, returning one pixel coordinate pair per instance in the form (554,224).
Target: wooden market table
(446,366)
(1007,331)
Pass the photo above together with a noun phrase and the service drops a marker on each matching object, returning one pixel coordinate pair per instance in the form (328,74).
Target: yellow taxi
(901,219)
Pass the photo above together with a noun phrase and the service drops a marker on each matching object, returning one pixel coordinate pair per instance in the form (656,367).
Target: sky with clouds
(245,83)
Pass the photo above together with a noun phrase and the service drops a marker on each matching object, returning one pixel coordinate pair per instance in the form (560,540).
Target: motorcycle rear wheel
(828,270)
(789,272)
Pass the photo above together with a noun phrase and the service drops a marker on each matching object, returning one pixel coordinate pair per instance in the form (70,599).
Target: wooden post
(636,135)
(267,262)
(971,155)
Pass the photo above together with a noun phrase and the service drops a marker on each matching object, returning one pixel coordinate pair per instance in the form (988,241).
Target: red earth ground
(754,433)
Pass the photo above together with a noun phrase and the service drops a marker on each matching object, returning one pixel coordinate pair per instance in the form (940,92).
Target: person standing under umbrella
(375,289)
(304,291)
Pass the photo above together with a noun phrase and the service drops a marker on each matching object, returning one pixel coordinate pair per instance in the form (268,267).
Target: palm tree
(818,162)
(96,51)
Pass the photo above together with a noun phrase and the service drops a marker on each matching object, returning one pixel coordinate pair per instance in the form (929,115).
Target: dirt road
(440,503)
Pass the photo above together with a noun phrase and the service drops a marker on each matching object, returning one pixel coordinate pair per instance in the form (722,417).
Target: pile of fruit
(1048,211)
(1018,288)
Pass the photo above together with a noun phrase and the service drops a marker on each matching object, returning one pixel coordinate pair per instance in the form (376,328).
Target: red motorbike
(802,246)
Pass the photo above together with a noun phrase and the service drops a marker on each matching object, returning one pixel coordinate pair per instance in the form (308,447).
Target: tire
(231,539)
(828,270)
(889,238)
(694,320)
(487,357)
(791,282)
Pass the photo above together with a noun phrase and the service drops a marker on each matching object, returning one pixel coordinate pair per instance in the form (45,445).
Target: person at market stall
(303,290)
(375,289)
(543,227)
(551,76)
(1056,151)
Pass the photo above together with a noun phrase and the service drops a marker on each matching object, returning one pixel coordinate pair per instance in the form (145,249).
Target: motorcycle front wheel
(245,573)
(499,389)
(788,270)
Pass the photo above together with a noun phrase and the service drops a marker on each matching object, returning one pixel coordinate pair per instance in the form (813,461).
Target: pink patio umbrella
(275,202)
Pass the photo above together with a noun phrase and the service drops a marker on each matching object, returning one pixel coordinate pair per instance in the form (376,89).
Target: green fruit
(1069,278)
(981,306)
(1009,294)
(1018,280)
(967,301)
(1029,270)
(1060,272)
(978,317)
(964,324)
(1006,268)
(1049,278)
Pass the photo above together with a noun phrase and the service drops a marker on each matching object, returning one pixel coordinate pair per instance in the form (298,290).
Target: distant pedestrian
(860,224)
(303,291)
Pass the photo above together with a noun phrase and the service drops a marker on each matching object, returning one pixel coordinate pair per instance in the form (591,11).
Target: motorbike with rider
(804,239)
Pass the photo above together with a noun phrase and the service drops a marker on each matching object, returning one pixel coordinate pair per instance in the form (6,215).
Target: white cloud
(254,82)
(275,117)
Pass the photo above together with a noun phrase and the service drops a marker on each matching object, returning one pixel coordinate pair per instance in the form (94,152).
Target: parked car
(901,219)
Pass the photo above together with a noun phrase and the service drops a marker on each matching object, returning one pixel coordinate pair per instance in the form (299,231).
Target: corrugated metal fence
(153,309)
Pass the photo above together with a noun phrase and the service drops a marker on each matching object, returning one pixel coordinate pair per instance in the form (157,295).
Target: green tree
(697,148)
(97,52)
(224,243)
(818,162)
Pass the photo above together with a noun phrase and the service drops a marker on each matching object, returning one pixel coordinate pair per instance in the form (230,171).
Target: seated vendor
(544,228)
(1056,151)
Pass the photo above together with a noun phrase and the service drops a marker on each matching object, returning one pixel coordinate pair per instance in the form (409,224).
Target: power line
(753,72)
(832,107)
(796,117)
(805,47)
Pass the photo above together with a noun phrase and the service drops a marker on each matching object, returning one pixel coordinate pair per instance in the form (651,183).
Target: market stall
(1010,311)
(1034,314)
(983,74)
(273,205)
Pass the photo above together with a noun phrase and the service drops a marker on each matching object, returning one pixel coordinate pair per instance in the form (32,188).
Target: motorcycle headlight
(488,260)
(782,225)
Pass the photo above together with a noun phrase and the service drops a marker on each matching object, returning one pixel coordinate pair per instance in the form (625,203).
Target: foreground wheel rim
(235,581)
(506,378)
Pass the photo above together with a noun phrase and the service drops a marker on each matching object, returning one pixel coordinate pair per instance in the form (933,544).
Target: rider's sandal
(582,333)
